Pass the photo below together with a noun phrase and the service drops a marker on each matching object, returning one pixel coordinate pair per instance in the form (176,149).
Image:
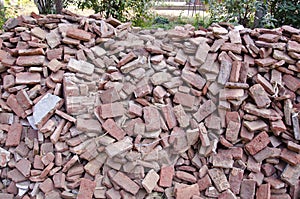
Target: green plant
(286,12)
(135,10)
(255,13)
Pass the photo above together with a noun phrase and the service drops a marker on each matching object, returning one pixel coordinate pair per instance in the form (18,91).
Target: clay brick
(113,129)
(125,183)
(205,110)
(111,110)
(187,191)
(30,60)
(166,176)
(193,79)
(247,189)
(260,96)
(290,156)
(219,179)
(185,176)
(258,143)
(263,192)
(235,180)
(291,82)
(233,122)
(24,167)
(204,183)
(152,118)
(184,99)
(78,34)
(8,81)
(14,135)
(12,102)
(169,116)
(46,186)
(150,181)
(28,78)
(86,189)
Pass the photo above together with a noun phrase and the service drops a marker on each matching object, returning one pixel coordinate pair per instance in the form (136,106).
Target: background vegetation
(250,13)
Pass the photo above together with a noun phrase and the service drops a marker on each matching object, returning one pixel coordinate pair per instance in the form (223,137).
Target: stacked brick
(93,108)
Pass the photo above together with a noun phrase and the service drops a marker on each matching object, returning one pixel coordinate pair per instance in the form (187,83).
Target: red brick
(184,99)
(260,96)
(166,176)
(14,135)
(113,129)
(218,177)
(169,116)
(227,194)
(263,192)
(30,60)
(290,156)
(258,143)
(193,79)
(187,191)
(127,58)
(12,102)
(8,81)
(24,100)
(291,82)
(204,183)
(126,183)
(24,167)
(46,186)
(111,110)
(86,189)
(54,54)
(233,122)
(248,189)
(78,34)
(235,180)
(28,78)
(205,110)
(150,181)
(185,176)
(135,109)
(151,118)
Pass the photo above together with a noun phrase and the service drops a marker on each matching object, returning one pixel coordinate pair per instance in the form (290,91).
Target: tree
(124,10)
(51,6)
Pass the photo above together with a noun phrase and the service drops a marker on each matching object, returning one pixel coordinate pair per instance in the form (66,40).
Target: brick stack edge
(93,108)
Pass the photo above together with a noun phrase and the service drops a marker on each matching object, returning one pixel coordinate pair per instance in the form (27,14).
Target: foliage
(135,10)
(255,13)
(286,12)
(51,6)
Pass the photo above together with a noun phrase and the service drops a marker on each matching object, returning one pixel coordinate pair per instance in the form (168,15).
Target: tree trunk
(58,6)
(259,14)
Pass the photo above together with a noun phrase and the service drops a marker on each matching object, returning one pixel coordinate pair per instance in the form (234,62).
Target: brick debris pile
(93,108)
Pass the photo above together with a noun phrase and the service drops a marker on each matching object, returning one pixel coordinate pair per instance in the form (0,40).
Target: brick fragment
(258,143)
(14,135)
(86,189)
(219,179)
(111,110)
(119,147)
(235,180)
(247,189)
(152,118)
(185,176)
(193,79)
(150,181)
(34,60)
(289,156)
(46,186)
(166,176)
(169,116)
(24,167)
(78,34)
(12,102)
(8,81)
(28,78)
(263,192)
(260,96)
(184,99)
(233,122)
(187,191)
(205,110)
(113,129)
(291,82)
(204,182)
(125,183)
(181,116)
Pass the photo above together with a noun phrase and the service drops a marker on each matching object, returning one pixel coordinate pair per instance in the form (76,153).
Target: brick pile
(93,108)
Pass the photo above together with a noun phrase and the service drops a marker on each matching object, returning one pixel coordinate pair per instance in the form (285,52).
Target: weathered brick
(125,183)
(14,135)
(166,176)
(247,189)
(113,129)
(258,143)
(86,189)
